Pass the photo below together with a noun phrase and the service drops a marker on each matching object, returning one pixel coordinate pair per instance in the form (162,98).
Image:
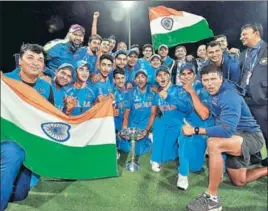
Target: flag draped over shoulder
(172,27)
(58,146)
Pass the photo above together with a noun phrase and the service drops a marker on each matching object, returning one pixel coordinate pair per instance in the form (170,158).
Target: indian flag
(58,146)
(172,27)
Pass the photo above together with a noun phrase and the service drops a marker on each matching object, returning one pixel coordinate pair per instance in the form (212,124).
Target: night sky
(29,21)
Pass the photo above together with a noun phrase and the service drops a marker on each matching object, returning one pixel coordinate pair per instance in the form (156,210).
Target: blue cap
(141,71)
(117,53)
(163,45)
(71,67)
(64,65)
(80,63)
(187,66)
(163,68)
(132,51)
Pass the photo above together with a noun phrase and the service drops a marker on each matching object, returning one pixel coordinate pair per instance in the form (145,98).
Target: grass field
(139,191)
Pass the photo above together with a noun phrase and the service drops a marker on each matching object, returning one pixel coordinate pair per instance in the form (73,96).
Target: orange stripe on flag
(161,11)
(32,97)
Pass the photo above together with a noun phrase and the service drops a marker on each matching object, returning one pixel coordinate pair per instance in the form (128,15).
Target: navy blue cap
(187,66)
(117,53)
(163,68)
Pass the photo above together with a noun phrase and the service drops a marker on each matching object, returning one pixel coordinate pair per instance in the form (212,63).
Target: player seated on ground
(235,132)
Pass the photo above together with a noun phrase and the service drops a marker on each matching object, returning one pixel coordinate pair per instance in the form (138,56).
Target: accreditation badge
(263,61)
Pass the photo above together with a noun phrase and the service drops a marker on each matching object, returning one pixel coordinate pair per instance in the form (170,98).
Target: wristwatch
(196,130)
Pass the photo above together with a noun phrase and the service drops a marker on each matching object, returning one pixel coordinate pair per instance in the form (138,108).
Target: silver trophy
(132,135)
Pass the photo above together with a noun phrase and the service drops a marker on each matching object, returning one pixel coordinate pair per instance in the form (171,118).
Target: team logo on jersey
(167,23)
(263,61)
(57,131)
(41,90)
(150,97)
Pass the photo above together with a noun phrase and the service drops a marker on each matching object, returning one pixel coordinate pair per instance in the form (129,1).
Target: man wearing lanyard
(253,79)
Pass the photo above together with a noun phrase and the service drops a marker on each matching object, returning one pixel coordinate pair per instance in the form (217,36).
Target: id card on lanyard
(252,63)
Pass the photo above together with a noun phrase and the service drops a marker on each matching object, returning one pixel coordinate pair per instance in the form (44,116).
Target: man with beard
(174,105)
(62,51)
(140,114)
(79,96)
(89,53)
(15,177)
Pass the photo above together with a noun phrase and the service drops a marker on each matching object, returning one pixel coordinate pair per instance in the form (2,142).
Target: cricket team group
(216,101)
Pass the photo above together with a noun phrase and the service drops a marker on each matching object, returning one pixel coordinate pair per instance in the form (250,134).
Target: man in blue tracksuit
(15,177)
(64,76)
(121,97)
(235,132)
(155,62)
(89,53)
(140,114)
(104,86)
(62,51)
(229,66)
(147,51)
(80,97)
(174,105)
(165,59)
(131,68)
(192,149)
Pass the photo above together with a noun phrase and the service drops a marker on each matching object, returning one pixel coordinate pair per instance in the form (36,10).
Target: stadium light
(127,4)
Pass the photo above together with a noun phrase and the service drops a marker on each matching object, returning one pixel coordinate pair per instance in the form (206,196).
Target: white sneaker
(155,166)
(182,182)
(117,155)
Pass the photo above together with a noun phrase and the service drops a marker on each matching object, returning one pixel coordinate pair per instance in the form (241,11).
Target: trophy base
(132,166)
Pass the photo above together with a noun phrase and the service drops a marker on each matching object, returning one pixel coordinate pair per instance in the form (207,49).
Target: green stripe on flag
(193,33)
(51,159)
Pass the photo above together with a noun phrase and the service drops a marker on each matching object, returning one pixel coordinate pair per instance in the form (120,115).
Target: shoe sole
(181,188)
(216,209)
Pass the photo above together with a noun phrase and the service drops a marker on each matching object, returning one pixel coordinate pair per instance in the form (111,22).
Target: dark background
(23,22)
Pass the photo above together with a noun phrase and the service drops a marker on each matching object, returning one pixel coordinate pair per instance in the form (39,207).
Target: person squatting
(183,105)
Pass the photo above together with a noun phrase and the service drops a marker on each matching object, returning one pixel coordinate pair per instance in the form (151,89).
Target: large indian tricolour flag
(56,145)
(172,27)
